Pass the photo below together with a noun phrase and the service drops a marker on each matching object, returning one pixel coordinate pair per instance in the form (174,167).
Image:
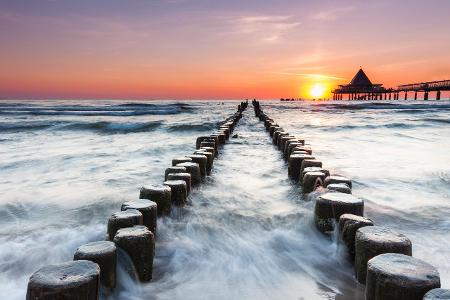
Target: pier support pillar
(415,95)
(425,96)
(438,95)
(390,96)
(406,95)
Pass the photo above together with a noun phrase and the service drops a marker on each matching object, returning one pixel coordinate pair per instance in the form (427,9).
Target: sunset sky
(215,49)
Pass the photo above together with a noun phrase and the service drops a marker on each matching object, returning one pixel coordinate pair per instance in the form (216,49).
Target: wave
(366,126)
(386,106)
(113,127)
(100,126)
(191,127)
(435,120)
(23,126)
(127,109)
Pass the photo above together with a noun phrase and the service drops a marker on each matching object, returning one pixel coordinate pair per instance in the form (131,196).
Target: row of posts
(382,257)
(132,230)
(380,96)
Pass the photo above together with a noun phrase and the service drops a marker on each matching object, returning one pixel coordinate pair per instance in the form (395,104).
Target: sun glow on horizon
(317,90)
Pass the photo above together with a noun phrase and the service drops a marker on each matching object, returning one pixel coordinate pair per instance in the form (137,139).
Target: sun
(317,90)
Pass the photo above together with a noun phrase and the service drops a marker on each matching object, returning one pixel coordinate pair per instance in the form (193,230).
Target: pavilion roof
(360,79)
(360,84)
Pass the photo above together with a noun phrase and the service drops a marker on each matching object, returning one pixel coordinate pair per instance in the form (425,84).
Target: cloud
(312,75)
(267,28)
(331,14)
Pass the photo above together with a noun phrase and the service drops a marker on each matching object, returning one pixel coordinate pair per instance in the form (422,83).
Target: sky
(216,49)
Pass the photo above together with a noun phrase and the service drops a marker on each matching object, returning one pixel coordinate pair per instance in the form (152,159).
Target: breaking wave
(127,109)
(100,126)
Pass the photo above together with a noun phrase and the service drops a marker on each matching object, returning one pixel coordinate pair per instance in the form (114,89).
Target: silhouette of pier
(426,88)
(361,88)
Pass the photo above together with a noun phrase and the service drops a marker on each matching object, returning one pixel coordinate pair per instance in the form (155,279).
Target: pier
(425,88)
(361,88)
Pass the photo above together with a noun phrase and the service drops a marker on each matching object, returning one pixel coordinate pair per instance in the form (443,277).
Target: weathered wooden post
(70,280)
(393,276)
(148,210)
(139,243)
(348,225)
(123,219)
(160,194)
(330,206)
(174,170)
(179,191)
(181,159)
(104,254)
(371,241)
(193,169)
(186,177)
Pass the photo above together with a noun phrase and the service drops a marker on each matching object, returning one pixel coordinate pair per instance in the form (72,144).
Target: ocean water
(65,166)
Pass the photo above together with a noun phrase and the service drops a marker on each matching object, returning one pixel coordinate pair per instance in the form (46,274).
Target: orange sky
(201,49)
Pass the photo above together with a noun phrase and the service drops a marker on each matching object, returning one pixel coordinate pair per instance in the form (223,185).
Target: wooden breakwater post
(193,169)
(179,191)
(104,254)
(161,195)
(138,242)
(348,225)
(329,207)
(123,219)
(186,177)
(371,241)
(69,280)
(148,210)
(393,276)
(389,276)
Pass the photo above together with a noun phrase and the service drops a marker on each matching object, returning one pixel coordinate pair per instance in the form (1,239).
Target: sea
(66,166)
